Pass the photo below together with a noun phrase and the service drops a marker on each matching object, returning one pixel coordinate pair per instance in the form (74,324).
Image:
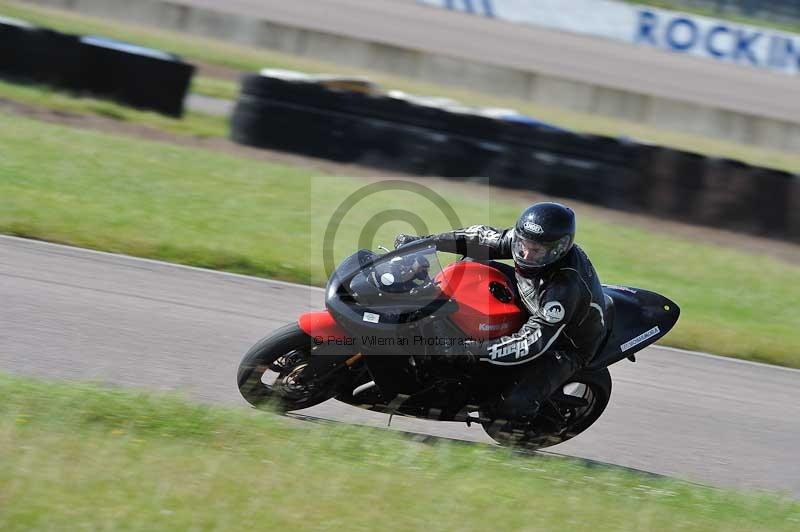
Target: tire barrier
(39,55)
(129,74)
(13,35)
(793,211)
(308,131)
(427,136)
(140,77)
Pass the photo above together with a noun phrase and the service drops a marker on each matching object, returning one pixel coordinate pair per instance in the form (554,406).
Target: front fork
(323,370)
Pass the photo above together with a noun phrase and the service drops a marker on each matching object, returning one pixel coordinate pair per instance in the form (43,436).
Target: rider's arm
(479,242)
(558,304)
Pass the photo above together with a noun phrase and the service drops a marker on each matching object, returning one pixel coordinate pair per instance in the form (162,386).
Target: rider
(560,289)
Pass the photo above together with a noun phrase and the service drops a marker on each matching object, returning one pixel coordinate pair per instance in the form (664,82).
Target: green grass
(252,59)
(215,88)
(80,457)
(194,124)
(211,210)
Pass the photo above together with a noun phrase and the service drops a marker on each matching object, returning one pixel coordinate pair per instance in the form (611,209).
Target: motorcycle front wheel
(272,372)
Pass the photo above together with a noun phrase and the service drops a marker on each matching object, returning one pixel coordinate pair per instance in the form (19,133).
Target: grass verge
(194,124)
(252,59)
(211,210)
(215,88)
(83,457)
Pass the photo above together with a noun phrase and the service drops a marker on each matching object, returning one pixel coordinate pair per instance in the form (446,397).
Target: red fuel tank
(487,305)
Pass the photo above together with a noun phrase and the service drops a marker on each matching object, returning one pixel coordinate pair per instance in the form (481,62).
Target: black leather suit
(565,328)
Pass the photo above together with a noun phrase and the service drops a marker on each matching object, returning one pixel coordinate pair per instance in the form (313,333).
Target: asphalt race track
(73,314)
(563,55)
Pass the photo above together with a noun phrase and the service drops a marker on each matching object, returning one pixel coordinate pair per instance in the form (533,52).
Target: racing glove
(402,240)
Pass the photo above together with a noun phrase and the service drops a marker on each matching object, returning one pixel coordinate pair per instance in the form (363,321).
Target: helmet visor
(534,254)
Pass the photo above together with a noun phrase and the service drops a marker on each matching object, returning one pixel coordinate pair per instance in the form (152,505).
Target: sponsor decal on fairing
(639,339)
(372,318)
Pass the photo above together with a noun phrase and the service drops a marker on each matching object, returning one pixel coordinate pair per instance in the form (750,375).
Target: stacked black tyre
(339,119)
(39,55)
(304,114)
(275,112)
(428,136)
(132,75)
(352,122)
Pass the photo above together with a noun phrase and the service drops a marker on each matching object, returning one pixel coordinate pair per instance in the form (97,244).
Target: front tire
(282,356)
(572,409)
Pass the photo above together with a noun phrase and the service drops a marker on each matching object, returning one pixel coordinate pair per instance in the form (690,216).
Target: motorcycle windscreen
(383,303)
(397,288)
(350,266)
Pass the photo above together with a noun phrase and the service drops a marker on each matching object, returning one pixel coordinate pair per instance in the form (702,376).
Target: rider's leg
(535,381)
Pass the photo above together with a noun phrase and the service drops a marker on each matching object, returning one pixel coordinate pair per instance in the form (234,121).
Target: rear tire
(285,354)
(560,418)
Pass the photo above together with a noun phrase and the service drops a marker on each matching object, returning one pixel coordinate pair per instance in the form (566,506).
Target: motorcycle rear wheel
(567,413)
(270,373)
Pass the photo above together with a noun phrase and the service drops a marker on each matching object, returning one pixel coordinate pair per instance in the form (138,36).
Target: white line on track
(158,262)
(723,358)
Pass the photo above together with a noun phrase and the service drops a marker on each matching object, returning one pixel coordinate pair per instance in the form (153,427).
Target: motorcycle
(391,318)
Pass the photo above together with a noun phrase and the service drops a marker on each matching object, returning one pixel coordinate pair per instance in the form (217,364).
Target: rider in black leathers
(560,289)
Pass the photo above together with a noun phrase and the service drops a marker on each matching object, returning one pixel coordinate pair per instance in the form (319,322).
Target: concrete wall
(439,68)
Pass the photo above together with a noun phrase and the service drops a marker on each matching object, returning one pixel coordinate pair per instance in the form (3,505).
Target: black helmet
(543,234)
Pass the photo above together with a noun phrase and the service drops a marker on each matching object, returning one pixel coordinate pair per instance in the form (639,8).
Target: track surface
(564,55)
(82,315)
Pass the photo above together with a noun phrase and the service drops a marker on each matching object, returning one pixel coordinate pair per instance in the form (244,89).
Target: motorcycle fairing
(361,297)
(640,318)
(488,307)
(321,325)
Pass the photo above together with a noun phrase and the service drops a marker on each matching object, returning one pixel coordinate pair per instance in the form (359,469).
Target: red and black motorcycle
(392,318)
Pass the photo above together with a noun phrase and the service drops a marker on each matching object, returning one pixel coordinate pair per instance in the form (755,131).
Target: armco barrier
(141,77)
(405,134)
